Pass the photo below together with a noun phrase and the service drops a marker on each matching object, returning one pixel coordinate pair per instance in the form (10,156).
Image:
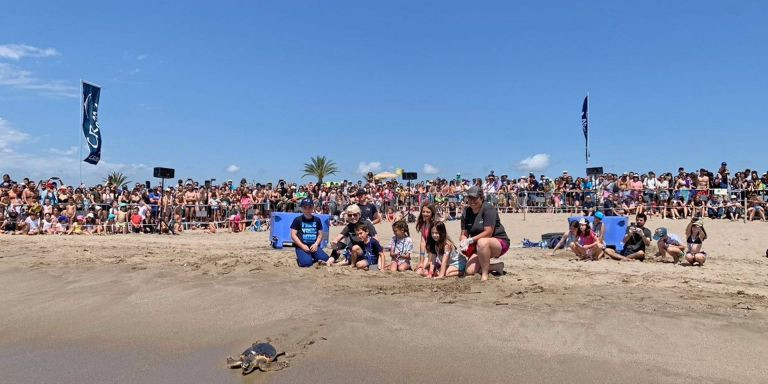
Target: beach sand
(161,309)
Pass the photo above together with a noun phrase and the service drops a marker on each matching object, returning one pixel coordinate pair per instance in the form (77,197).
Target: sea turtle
(259,355)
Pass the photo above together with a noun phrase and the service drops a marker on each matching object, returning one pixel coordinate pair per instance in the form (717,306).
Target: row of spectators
(191,204)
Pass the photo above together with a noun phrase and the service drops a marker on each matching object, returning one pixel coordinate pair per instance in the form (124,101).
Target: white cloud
(55,162)
(430,169)
(21,78)
(10,136)
(19,51)
(65,152)
(233,168)
(373,166)
(536,163)
(142,56)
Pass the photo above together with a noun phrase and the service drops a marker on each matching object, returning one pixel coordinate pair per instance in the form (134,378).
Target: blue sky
(253,89)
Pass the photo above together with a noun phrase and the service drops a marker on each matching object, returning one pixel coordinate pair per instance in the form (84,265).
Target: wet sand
(138,309)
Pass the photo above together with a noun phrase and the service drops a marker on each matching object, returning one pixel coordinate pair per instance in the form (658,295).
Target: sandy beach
(161,309)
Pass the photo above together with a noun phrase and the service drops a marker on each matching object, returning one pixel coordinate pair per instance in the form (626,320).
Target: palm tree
(117,179)
(319,167)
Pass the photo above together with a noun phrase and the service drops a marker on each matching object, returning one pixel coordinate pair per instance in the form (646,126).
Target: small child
(136,220)
(178,228)
(77,226)
(400,248)
(234,222)
(451,262)
(365,255)
(257,220)
(587,248)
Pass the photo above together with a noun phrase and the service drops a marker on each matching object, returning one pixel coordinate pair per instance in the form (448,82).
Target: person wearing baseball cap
(668,244)
(307,235)
(482,236)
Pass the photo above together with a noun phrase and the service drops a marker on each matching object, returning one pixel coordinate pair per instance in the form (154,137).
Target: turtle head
(247,363)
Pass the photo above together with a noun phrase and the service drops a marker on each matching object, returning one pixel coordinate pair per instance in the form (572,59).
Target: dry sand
(152,309)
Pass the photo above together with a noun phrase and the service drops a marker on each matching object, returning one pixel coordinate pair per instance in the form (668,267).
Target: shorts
(471,249)
(504,246)
(460,264)
(402,261)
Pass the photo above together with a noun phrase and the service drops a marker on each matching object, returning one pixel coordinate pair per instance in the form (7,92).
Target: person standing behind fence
(482,235)
(307,235)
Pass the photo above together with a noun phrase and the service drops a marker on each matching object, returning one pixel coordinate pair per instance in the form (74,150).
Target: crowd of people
(50,207)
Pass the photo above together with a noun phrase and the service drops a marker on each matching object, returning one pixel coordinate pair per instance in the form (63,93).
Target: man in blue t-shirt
(307,234)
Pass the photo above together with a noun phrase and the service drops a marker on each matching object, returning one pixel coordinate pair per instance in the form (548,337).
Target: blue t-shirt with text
(307,228)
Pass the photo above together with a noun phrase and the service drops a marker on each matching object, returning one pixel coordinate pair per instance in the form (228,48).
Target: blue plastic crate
(280,228)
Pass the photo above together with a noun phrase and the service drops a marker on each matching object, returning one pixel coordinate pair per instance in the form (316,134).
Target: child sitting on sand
(695,235)
(400,248)
(451,261)
(366,256)
(587,248)
(178,228)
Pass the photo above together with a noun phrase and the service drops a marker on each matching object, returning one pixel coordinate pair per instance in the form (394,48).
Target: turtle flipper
(232,363)
(267,366)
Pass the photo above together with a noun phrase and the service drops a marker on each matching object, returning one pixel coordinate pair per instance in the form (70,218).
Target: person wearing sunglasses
(348,238)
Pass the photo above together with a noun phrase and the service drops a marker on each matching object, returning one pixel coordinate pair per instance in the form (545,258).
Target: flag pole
(588,129)
(79,130)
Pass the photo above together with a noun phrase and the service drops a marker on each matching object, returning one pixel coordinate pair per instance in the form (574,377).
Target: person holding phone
(636,238)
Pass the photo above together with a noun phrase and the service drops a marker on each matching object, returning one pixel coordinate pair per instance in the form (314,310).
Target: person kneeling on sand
(348,236)
(307,235)
(367,255)
(568,239)
(668,244)
(635,240)
(451,262)
(695,235)
(482,236)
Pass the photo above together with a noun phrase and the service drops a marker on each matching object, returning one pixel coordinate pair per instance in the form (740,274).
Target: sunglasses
(353,214)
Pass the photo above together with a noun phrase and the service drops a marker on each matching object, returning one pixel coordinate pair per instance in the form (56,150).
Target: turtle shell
(262,349)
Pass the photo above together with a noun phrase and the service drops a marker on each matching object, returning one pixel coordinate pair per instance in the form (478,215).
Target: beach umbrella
(385,175)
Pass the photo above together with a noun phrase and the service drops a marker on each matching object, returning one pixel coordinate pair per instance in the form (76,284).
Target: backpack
(553,242)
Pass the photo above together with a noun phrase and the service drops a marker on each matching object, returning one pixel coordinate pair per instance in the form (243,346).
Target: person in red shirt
(136,220)
(587,248)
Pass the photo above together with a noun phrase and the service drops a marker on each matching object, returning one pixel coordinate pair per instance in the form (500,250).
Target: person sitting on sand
(307,235)
(482,236)
(367,254)
(400,247)
(424,226)
(78,225)
(348,236)
(755,208)
(635,240)
(568,239)
(695,236)
(136,221)
(444,253)
(668,244)
(33,224)
(588,246)
(598,227)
